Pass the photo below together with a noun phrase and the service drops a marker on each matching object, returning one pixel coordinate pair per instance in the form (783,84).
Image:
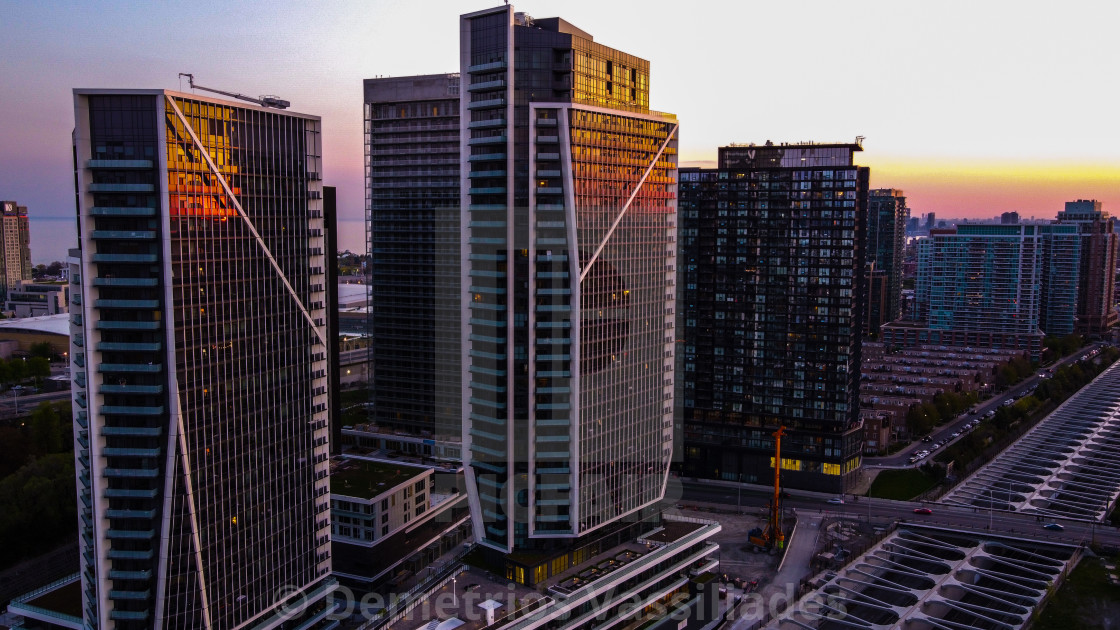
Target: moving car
(836,501)
(923,511)
(1054,527)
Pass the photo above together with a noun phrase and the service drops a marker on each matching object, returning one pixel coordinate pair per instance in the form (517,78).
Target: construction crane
(773,537)
(264,101)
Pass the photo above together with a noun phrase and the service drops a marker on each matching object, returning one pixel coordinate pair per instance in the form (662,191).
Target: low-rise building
(390,519)
(34,300)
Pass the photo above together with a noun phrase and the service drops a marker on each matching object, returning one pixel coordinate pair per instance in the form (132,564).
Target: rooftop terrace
(365,479)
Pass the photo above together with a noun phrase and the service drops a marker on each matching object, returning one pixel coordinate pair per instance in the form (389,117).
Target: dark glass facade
(198,340)
(772,299)
(412,216)
(887,215)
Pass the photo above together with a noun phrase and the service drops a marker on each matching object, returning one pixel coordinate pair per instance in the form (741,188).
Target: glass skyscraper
(412,184)
(569,224)
(200,359)
(773,298)
(887,215)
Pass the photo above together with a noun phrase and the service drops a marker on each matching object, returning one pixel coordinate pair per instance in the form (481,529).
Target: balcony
(132,473)
(481,174)
(548,139)
(121,187)
(123,235)
(129,346)
(121,211)
(125,282)
(118,164)
(548,156)
(492,190)
(488,140)
(117,493)
(546,122)
(487,157)
(131,389)
(487,67)
(128,534)
(130,575)
(130,452)
(151,368)
(128,615)
(124,410)
(131,431)
(130,304)
(109,325)
(487,85)
(487,124)
(487,104)
(126,258)
(130,514)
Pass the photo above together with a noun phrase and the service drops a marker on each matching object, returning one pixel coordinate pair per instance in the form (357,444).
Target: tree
(46,429)
(19,369)
(39,368)
(54,269)
(42,349)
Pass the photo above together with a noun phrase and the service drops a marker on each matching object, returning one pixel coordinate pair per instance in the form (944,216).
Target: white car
(836,501)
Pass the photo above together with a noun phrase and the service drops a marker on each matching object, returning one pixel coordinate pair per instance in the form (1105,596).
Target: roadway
(884,510)
(901,459)
(13,406)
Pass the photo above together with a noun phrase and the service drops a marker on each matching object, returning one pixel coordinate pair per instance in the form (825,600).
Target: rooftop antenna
(264,101)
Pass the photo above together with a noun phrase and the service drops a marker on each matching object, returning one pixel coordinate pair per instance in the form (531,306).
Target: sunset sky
(972,108)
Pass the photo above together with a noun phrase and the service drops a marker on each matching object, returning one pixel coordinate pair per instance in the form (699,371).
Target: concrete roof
(53,324)
(351,295)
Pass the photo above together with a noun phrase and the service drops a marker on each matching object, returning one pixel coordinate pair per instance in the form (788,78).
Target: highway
(973,519)
(901,459)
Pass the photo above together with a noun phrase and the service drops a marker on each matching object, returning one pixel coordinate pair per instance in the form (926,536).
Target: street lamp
(738,495)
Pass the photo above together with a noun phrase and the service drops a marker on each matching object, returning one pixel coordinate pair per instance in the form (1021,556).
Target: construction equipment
(264,101)
(773,537)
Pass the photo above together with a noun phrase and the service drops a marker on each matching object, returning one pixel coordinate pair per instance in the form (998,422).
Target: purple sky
(972,108)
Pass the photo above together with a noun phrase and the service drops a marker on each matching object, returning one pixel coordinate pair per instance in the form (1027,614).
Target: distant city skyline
(972,110)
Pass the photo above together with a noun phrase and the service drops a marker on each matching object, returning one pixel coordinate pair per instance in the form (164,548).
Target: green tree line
(37,486)
(1049,393)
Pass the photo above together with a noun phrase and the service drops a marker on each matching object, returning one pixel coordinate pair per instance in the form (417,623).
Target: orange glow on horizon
(971,188)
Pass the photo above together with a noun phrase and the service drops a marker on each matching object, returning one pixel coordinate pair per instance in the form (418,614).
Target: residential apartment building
(412,218)
(1096,308)
(15,246)
(978,285)
(200,359)
(773,298)
(569,202)
(887,215)
(1061,278)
